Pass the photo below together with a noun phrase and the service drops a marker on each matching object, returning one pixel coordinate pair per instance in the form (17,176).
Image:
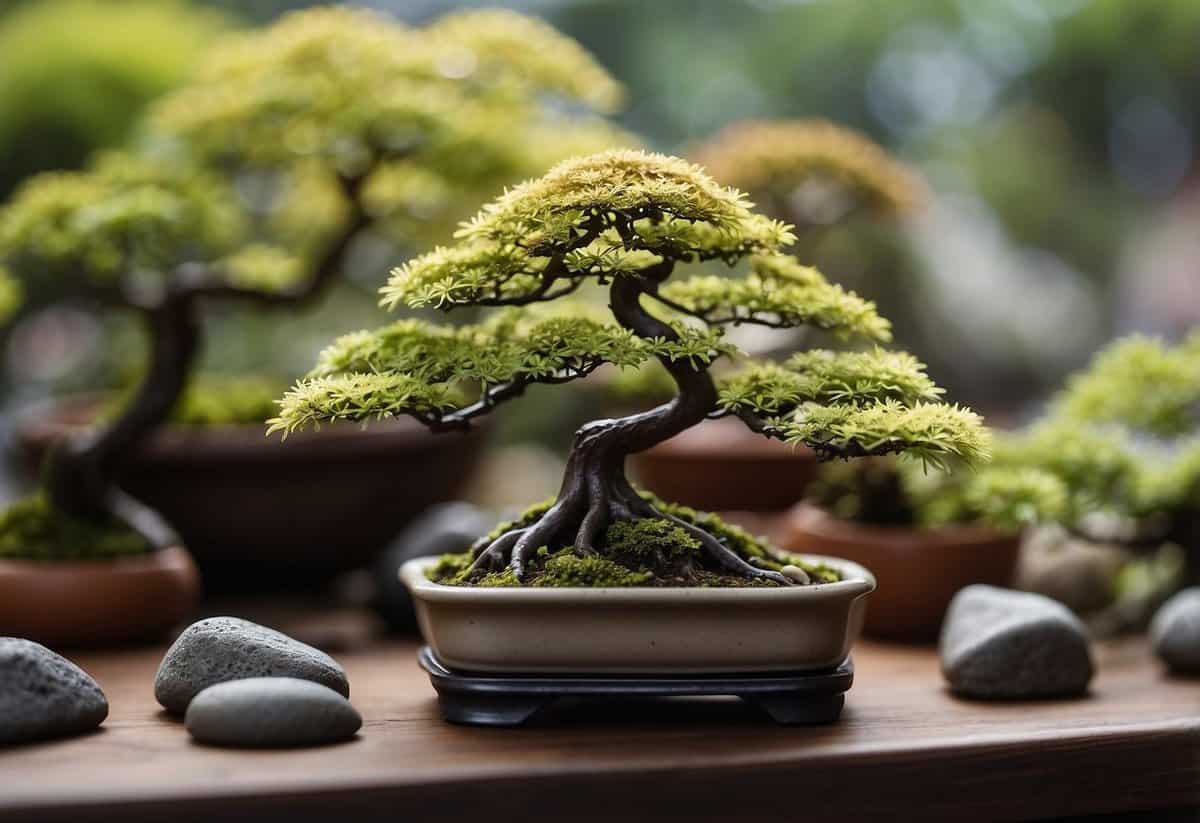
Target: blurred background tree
(1057,138)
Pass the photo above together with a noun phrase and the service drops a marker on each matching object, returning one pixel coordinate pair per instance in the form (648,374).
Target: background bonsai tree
(812,173)
(1004,495)
(370,109)
(626,219)
(1124,438)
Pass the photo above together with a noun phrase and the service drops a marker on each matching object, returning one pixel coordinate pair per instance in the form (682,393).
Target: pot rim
(821,524)
(155,560)
(857,581)
(47,420)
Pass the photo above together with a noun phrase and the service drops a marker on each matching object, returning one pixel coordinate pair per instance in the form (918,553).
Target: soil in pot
(720,465)
(919,570)
(261,515)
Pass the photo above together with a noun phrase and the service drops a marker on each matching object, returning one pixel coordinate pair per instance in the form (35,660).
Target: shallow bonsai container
(257,513)
(919,570)
(641,630)
(67,603)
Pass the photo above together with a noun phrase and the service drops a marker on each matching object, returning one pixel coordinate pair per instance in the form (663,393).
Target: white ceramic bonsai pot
(641,630)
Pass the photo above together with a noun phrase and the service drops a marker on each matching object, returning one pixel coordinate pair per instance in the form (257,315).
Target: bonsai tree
(369,108)
(812,173)
(1003,495)
(625,220)
(1124,437)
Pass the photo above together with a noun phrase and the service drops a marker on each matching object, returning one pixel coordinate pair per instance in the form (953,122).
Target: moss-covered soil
(645,553)
(31,530)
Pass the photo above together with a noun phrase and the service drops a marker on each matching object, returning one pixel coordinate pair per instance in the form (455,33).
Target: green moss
(31,530)
(643,553)
(643,541)
(565,569)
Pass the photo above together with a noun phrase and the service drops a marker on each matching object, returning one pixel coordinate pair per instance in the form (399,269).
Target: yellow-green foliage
(630,214)
(74,74)
(775,158)
(31,530)
(1124,434)
(124,215)
(416,367)
(779,291)
(1005,494)
(10,294)
(1140,383)
(433,115)
(226,400)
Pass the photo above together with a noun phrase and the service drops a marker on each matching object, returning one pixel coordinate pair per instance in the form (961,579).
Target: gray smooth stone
(271,712)
(1175,632)
(42,694)
(999,643)
(220,649)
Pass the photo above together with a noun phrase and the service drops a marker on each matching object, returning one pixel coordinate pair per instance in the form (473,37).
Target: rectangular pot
(641,630)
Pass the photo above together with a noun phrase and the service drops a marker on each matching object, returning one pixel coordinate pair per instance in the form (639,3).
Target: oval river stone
(271,712)
(220,649)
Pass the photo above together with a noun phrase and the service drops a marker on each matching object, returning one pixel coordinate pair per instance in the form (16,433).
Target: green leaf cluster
(1124,434)
(780,292)
(431,116)
(415,367)
(779,157)
(124,216)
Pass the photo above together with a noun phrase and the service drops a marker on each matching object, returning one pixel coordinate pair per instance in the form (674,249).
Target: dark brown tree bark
(595,492)
(81,473)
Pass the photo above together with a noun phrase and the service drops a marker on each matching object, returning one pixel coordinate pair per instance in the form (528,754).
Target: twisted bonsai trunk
(81,472)
(595,492)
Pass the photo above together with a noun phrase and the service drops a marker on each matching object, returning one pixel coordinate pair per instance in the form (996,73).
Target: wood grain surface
(903,750)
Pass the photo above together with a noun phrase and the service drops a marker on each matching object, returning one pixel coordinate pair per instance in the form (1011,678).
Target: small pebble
(42,694)
(795,573)
(220,649)
(1175,632)
(271,712)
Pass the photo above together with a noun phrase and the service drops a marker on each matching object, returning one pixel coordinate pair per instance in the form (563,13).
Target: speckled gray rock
(999,643)
(271,711)
(42,694)
(218,649)
(1175,632)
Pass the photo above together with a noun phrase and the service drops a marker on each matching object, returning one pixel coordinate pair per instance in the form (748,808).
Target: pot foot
(799,708)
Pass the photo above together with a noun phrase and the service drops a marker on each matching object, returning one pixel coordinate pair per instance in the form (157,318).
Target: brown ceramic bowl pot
(72,603)
(720,465)
(918,570)
(263,513)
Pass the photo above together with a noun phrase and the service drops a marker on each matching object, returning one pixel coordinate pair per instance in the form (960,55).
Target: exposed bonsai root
(585,513)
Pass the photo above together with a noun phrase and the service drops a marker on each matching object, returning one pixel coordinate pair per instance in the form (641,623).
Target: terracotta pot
(97,602)
(641,630)
(919,570)
(721,465)
(261,513)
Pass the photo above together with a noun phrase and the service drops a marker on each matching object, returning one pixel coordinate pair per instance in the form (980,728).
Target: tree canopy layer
(626,218)
(775,159)
(432,119)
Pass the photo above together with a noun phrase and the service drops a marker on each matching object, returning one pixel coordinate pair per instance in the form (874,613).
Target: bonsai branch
(595,492)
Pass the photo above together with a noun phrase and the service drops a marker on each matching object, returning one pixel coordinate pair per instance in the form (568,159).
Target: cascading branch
(626,219)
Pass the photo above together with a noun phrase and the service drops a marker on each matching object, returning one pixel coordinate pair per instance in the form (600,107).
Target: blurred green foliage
(74,74)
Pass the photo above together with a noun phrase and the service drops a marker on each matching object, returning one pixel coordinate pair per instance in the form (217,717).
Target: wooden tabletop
(903,750)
